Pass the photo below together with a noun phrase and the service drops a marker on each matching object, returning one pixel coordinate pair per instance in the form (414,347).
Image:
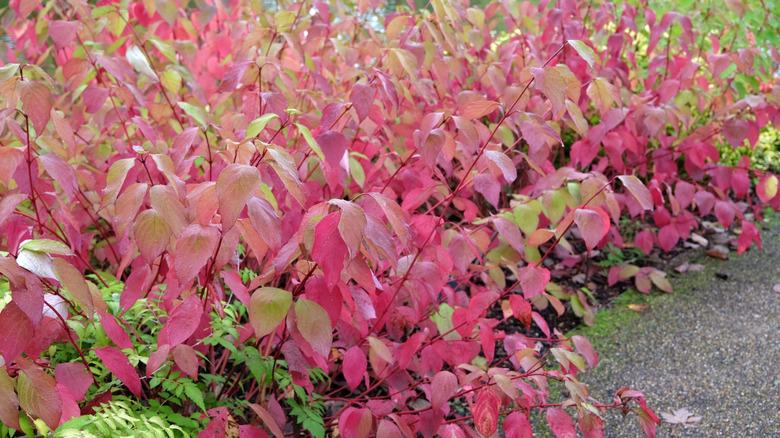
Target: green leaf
(195,394)
(584,51)
(257,125)
(310,141)
(197,113)
(46,246)
(136,57)
(268,308)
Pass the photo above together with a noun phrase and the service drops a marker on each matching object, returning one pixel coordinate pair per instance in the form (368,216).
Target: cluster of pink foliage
(399,194)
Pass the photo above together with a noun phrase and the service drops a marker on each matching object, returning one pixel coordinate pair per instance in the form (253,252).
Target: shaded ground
(712,347)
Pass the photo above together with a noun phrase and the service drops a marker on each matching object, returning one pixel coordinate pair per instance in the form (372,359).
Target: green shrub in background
(765,155)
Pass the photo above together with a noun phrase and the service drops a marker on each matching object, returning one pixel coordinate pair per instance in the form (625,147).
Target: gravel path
(713,347)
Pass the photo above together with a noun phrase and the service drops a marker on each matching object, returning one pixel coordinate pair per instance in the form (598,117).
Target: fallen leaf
(681,416)
(638,308)
(699,239)
(689,267)
(719,252)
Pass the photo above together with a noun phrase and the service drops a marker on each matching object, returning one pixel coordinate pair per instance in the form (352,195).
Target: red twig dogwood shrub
(323,216)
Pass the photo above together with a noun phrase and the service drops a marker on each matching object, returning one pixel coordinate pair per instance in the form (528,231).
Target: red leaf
(63,32)
(362,97)
(16,328)
(725,212)
(9,203)
(75,377)
(521,309)
(354,367)
(38,394)
(114,331)
(265,221)
(584,347)
(644,241)
(9,402)
(504,164)
(74,283)
(443,386)
(329,250)
(268,420)
(668,237)
(157,358)
(533,280)
(186,359)
(593,224)
(313,323)
(61,171)
(475,109)
(117,363)
(516,425)
(485,412)
(560,423)
(182,322)
(235,185)
(352,224)
(735,131)
(637,190)
(193,249)
(36,103)
(356,423)
(746,238)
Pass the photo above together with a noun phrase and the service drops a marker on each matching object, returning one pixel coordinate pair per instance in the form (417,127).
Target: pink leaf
(735,131)
(593,224)
(668,237)
(75,377)
(235,185)
(120,367)
(329,249)
(475,109)
(362,97)
(157,358)
(182,322)
(193,249)
(38,395)
(114,331)
(8,204)
(186,359)
(521,309)
(516,425)
(533,280)
(36,103)
(584,347)
(637,190)
(268,420)
(354,367)
(504,163)
(644,241)
(265,221)
(560,423)
(352,224)
(443,386)
(16,328)
(356,423)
